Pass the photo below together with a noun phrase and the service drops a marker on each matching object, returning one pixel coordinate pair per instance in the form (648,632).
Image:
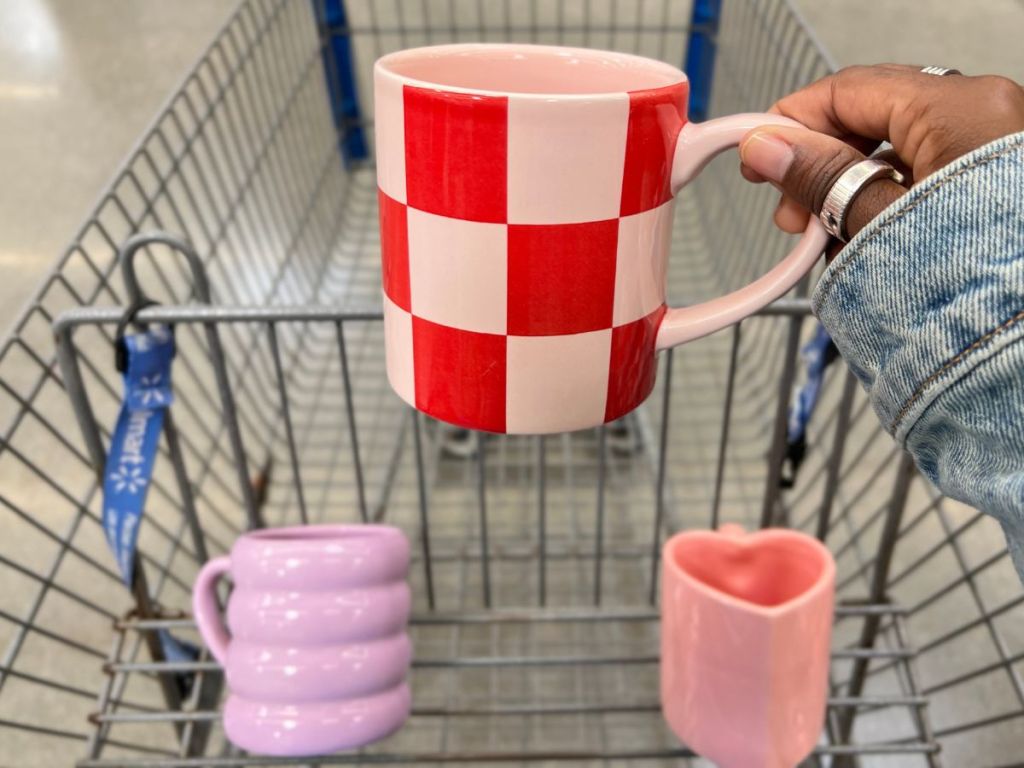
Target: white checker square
(458,272)
(557,383)
(640,263)
(389,135)
(398,346)
(565,158)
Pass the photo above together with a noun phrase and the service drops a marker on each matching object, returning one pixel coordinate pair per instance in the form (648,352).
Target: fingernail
(768,155)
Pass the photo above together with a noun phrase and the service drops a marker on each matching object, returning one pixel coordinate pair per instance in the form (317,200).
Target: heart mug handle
(206,609)
(697,144)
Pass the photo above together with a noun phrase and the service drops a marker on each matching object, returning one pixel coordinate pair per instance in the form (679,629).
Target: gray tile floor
(978,38)
(79,82)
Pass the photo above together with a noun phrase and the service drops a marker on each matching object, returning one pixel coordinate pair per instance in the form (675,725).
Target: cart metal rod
(379,758)
(852,500)
(514,29)
(835,459)
(530,615)
(30,626)
(315,413)
(968,577)
(511,710)
(973,674)
(76,736)
(920,717)
(226,314)
(215,315)
(380,508)
(51,583)
(485,545)
(421,487)
(353,430)
(212,340)
(965,577)
(602,460)
(853,543)
(936,548)
(905,474)
(64,687)
(476,662)
(271,78)
(126,257)
(542,523)
(83,512)
(723,440)
(980,723)
(68,358)
(188,504)
(96,739)
(777,448)
(938,642)
(96,565)
(993,613)
(293,452)
(659,484)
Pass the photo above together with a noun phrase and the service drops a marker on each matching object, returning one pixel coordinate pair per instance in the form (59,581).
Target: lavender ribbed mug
(318,653)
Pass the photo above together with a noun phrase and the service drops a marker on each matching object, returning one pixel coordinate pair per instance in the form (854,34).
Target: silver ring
(847,187)
(940,71)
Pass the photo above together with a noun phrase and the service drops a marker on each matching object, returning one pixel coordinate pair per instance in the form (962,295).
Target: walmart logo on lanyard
(146,359)
(147,394)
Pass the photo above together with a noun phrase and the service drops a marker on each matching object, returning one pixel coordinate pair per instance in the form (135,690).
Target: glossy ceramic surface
(526,214)
(315,650)
(746,629)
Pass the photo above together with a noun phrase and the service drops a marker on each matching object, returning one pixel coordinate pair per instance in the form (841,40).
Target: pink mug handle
(206,609)
(698,143)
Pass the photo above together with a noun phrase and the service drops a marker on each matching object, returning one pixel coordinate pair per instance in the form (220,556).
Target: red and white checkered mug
(526,208)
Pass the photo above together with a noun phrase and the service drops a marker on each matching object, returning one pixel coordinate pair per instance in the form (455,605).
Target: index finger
(863,102)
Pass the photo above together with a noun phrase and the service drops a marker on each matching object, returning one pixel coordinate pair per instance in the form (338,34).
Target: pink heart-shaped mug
(746,625)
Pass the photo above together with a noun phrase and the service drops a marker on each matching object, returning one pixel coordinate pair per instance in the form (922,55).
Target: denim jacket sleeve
(926,305)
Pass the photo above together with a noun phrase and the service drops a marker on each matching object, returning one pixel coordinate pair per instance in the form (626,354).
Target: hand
(929,120)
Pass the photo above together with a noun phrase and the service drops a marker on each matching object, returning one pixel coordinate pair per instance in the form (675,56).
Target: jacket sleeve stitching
(830,279)
(981,341)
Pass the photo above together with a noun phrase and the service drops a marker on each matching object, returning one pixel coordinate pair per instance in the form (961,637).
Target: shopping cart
(535,579)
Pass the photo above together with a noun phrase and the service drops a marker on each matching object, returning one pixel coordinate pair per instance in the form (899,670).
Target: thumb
(805,165)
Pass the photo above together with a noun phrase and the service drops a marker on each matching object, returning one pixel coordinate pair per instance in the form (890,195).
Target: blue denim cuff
(934,286)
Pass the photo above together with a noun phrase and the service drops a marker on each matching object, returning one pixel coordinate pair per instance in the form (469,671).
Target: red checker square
(394,247)
(655,118)
(460,375)
(633,365)
(456,154)
(561,277)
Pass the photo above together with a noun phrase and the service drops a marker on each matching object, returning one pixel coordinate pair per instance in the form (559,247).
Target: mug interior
(320,533)
(531,69)
(767,573)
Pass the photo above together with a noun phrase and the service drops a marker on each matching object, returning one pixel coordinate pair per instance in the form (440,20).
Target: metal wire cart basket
(535,578)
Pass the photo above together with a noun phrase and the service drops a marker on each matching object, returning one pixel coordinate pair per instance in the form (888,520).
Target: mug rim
(821,583)
(299,534)
(383,67)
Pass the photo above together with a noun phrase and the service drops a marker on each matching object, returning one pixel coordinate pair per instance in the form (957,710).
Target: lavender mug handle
(206,609)
(697,144)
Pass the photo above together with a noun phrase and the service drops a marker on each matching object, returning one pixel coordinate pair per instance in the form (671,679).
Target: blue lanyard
(133,446)
(146,359)
(817,354)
